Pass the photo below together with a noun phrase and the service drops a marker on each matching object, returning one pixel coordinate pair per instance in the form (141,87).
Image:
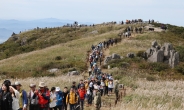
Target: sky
(96,11)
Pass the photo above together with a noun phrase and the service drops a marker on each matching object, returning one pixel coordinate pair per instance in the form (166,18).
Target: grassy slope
(141,93)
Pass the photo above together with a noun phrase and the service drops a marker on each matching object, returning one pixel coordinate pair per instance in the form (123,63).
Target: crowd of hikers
(14,97)
(87,92)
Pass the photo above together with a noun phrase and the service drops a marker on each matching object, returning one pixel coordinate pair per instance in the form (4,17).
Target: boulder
(154,44)
(130,55)
(73,73)
(165,54)
(116,56)
(157,56)
(54,70)
(107,59)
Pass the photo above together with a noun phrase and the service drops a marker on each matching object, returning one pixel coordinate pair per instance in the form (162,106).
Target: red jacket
(82,93)
(43,98)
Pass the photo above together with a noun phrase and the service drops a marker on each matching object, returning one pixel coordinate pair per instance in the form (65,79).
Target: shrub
(58,58)
(150,78)
(154,66)
(180,69)
(180,49)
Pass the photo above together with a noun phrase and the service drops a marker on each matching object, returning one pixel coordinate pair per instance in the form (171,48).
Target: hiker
(74,85)
(97,100)
(106,86)
(15,96)
(6,98)
(102,87)
(33,102)
(110,87)
(116,90)
(72,99)
(65,92)
(82,93)
(23,101)
(53,100)
(43,96)
(89,97)
(59,99)
(80,83)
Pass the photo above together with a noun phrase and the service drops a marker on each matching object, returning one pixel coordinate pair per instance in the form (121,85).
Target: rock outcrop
(165,54)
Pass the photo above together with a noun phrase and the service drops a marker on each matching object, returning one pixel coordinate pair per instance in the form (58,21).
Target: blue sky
(97,11)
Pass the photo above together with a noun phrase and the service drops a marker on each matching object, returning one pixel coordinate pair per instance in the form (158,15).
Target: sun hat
(57,89)
(41,84)
(18,83)
(32,85)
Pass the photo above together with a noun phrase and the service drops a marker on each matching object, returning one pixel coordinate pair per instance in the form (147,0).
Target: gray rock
(130,55)
(54,70)
(165,54)
(154,44)
(116,56)
(107,59)
(73,73)
(157,56)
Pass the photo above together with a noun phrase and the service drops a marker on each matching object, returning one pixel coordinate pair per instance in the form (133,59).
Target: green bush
(58,58)
(180,69)
(180,49)
(154,66)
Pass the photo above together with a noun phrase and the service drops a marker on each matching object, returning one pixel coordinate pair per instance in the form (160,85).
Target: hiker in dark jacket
(5,97)
(65,93)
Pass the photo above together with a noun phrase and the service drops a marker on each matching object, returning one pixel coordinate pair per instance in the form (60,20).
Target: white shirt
(53,102)
(110,84)
(15,103)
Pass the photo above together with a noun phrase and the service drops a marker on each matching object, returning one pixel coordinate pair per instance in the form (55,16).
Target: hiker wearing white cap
(23,101)
(59,99)
(33,102)
(43,96)
(52,104)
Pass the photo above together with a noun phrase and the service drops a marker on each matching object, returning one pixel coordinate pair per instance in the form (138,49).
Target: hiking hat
(41,84)
(32,85)
(57,89)
(18,83)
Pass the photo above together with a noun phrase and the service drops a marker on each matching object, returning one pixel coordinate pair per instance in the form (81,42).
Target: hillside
(147,85)
(34,52)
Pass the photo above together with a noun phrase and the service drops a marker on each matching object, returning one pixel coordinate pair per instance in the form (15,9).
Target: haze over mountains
(7,27)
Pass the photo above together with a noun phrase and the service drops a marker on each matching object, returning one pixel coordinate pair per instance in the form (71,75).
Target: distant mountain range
(7,27)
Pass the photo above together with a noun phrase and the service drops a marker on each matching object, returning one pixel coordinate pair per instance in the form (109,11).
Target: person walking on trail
(74,86)
(116,89)
(72,99)
(80,83)
(65,93)
(15,97)
(89,97)
(6,98)
(23,100)
(59,99)
(43,96)
(110,87)
(97,100)
(82,94)
(33,102)
(53,100)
